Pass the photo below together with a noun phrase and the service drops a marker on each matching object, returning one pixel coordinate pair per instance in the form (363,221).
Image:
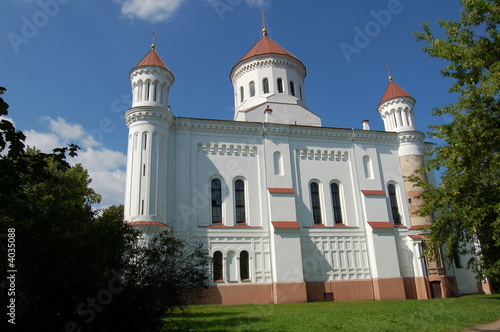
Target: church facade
(289,210)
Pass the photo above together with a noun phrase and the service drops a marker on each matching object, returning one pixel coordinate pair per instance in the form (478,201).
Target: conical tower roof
(152,59)
(267,46)
(393,91)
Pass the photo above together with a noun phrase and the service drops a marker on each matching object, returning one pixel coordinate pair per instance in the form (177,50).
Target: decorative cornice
(148,113)
(228,149)
(266,63)
(411,137)
(152,70)
(322,154)
(292,131)
(388,106)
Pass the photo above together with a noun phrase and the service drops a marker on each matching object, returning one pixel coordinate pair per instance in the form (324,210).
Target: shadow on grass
(209,321)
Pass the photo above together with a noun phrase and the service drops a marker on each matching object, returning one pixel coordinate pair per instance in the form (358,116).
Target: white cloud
(162,10)
(106,167)
(149,10)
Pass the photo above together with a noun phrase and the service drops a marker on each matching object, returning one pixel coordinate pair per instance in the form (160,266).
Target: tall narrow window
(337,209)
(148,85)
(300,91)
(252,88)
(244,266)
(145,140)
(242,96)
(216,201)
(280,85)
(265,85)
(239,194)
(292,88)
(217,266)
(394,204)
(315,202)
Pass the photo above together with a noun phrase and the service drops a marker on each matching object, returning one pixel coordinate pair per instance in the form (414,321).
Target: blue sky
(65,63)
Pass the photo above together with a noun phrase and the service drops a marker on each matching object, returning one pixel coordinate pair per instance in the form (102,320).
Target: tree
(467,201)
(74,269)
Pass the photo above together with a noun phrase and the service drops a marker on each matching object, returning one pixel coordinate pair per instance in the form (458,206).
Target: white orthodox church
(289,210)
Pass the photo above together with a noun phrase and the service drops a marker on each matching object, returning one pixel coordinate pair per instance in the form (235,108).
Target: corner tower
(270,77)
(396,110)
(149,122)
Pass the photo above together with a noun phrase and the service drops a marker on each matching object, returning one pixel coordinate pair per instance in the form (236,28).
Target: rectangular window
(316,204)
(337,209)
(216,201)
(239,193)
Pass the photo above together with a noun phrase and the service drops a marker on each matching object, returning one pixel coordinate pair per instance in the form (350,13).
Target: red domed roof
(152,59)
(393,91)
(266,46)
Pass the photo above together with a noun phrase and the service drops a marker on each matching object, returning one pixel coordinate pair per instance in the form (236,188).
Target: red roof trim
(412,228)
(380,224)
(415,237)
(281,190)
(285,224)
(146,223)
(373,192)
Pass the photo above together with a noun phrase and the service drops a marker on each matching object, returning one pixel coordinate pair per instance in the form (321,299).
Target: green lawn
(407,315)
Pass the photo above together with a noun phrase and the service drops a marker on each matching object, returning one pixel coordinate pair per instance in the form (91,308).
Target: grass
(407,315)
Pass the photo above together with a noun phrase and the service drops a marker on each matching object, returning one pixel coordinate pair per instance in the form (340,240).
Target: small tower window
(265,85)
(315,203)
(337,209)
(242,96)
(292,88)
(252,88)
(396,217)
(239,194)
(300,91)
(280,85)
(216,201)
(148,86)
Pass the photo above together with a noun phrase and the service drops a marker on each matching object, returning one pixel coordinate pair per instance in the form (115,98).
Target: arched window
(337,208)
(367,164)
(239,195)
(292,88)
(280,85)
(265,85)
(217,266)
(148,86)
(244,266)
(396,217)
(252,88)
(278,163)
(242,96)
(315,203)
(216,201)
(231,268)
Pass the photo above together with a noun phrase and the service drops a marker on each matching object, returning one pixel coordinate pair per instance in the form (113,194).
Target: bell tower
(149,122)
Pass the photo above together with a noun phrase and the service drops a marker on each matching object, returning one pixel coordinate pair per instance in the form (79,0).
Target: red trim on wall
(415,237)
(412,228)
(380,224)
(146,223)
(281,190)
(285,224)
(373,192)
